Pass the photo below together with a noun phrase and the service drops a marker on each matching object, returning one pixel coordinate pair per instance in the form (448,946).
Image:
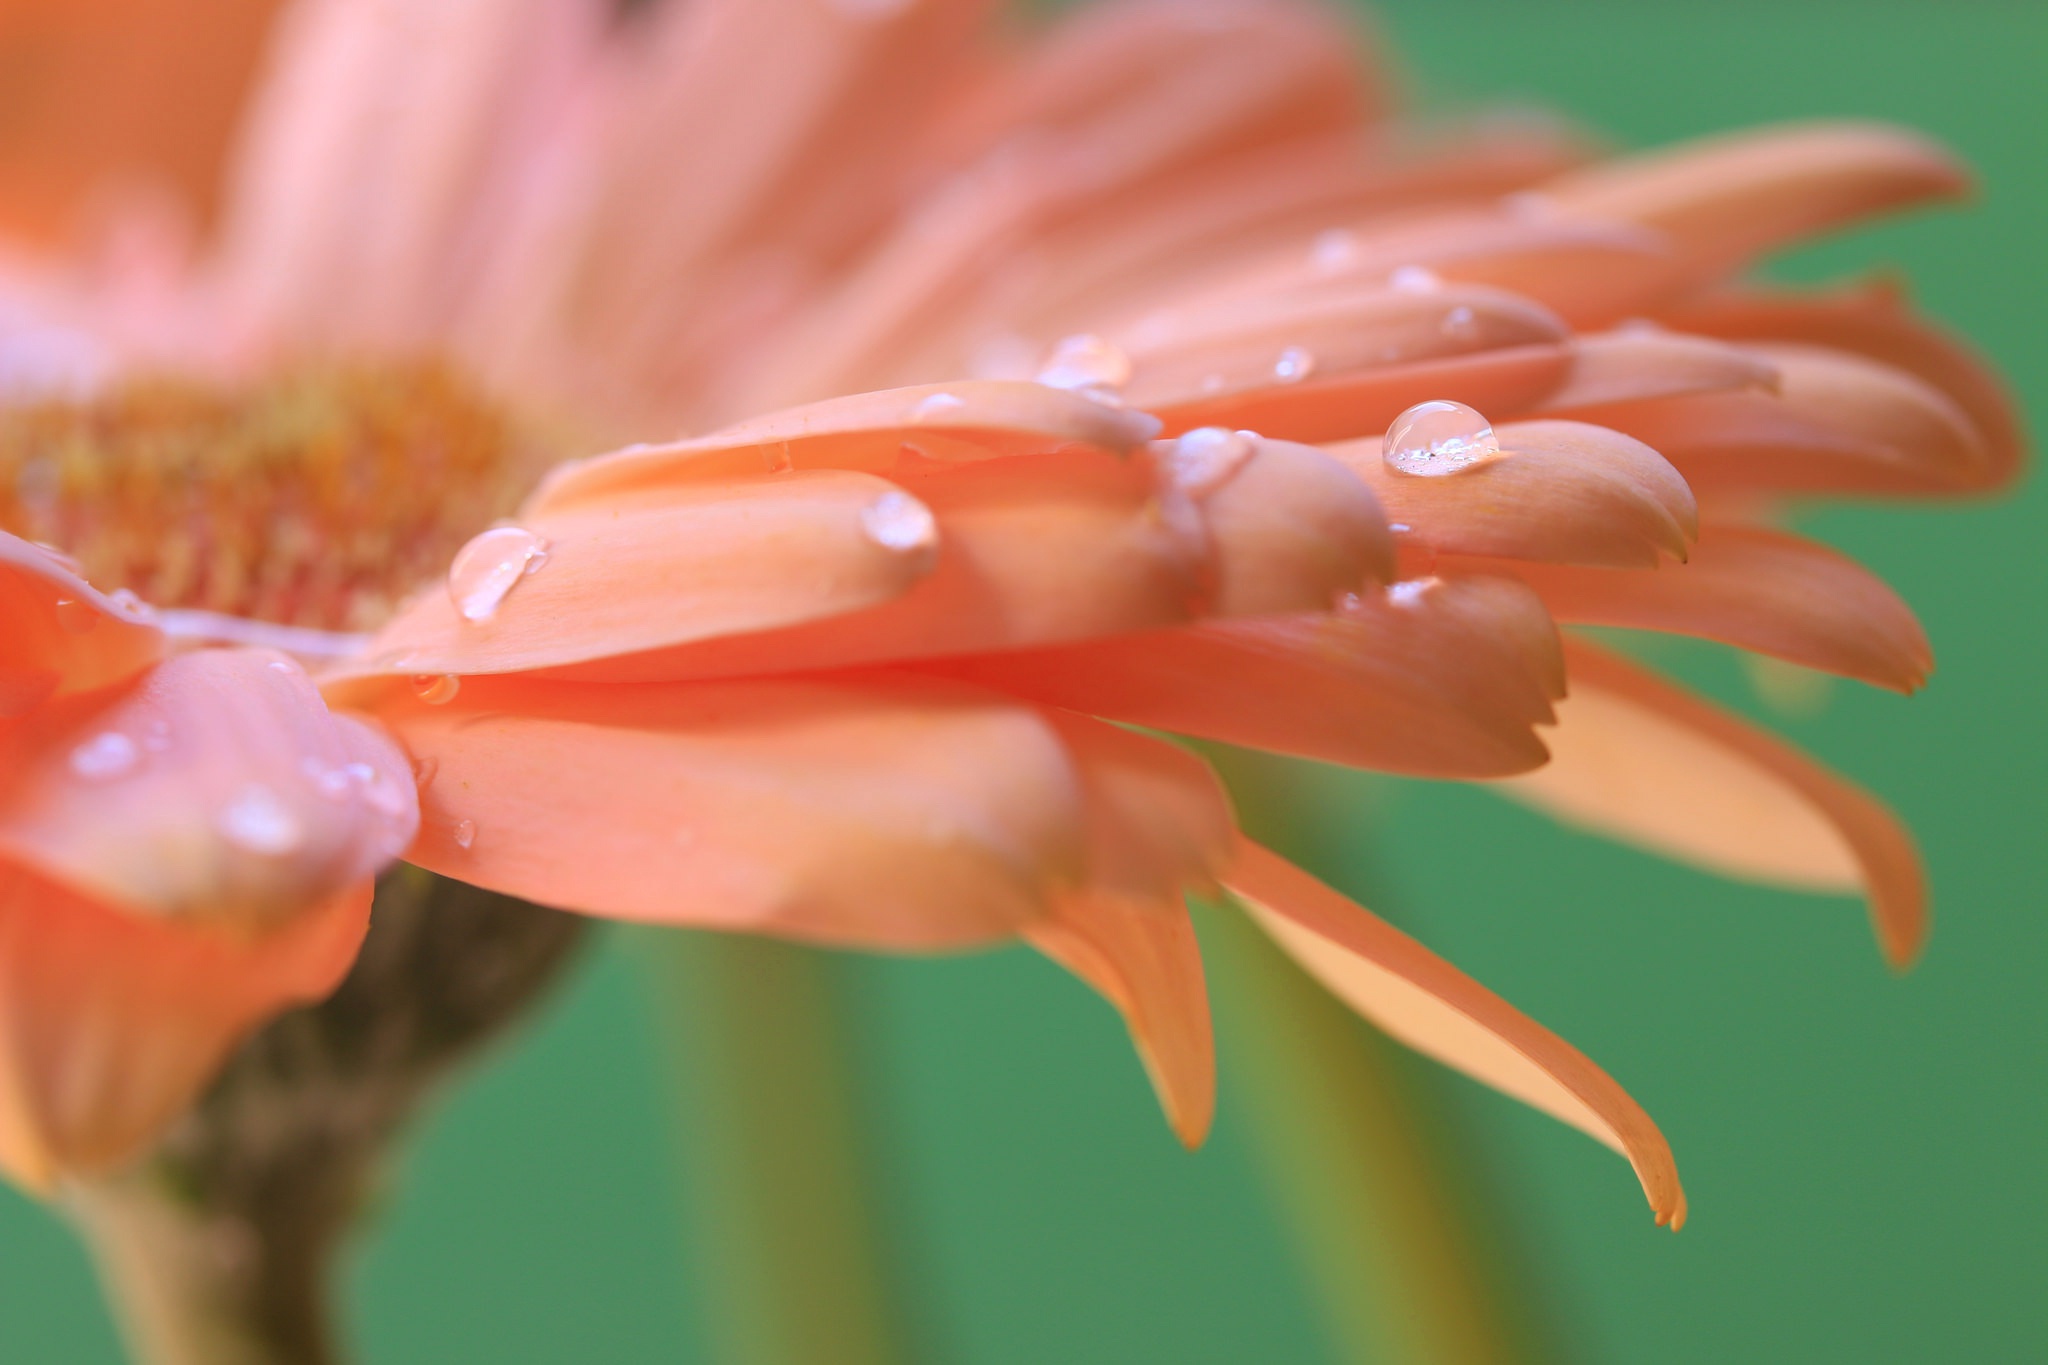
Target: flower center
(317,497)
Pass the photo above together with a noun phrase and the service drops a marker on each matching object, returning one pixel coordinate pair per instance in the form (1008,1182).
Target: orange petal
(58,634)
(872,432)
(1871,320)
(1636,758)
(1755,589)
(1438,679)
(1430,1005)
(668,566)
(218,787)
(1158,822)
(1635,364)
(886,812)
(1144,959)
(1838,423)
(1725,201)
(1559,491)
(111,1022)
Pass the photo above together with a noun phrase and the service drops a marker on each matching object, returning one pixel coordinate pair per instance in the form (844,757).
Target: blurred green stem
(782,1218)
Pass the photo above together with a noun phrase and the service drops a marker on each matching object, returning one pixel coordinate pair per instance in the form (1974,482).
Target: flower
(1074,352)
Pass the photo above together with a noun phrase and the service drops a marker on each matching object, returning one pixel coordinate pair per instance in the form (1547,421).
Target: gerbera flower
(1076,350)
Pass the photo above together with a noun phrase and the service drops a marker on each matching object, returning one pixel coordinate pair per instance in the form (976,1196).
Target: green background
(1865,1154)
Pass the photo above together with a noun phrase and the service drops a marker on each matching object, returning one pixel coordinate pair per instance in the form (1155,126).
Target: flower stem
(792,1263)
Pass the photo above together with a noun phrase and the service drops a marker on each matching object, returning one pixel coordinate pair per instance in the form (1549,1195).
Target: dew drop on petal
(779,459)
(1414,279)
(131,606)
(436,689)
(490,566)
(936,407)
(897,521)
(104,756)
(1087,363)
(1202,460)
(332,783)
(1460,323)
(1438,437)
(1294,365)
(1333,249)
(1410,591)
(259,822)
(75,616)
(464,833)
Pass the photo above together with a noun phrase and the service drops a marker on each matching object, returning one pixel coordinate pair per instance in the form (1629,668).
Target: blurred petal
(1428,1004)
(218,788)
(1144,959)
(1761,590)
(1438,679)
(1637,759)
(1630,366)
(1561,492)
(883,812)
(58,634)
(664,566)
(1157,821)
(112,1022)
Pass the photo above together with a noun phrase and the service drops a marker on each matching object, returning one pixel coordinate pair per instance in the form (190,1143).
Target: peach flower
(1075,350)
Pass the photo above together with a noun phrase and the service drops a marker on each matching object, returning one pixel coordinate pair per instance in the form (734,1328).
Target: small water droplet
(131,606)
(285,666)
(935,407)
(464,833)
(1414,279)
(1333,249)
(1202,460)
(258,821)
(1213,383)
(76,616)
(1349,604)
(1399,528)
(1087,363)
(1294,365)
(897,521)
(778,458)
(104,756)
(332,783)
(1410,591)
(1438,437)
(436,689)
(490,566)
(1461,323)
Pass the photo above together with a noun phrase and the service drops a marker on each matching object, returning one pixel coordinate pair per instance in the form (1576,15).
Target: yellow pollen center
(317,497)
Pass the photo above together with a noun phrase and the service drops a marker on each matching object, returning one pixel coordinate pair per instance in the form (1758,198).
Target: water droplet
(105,756)
(1350,604)
(1202,460)
(778,458)
(1087,363)
(131,606)
(1399,528)
(1438,437)
(897,521)
(258,821)
(76,616)
(1410,591)
(1213,383)
(490,566)
(332,783)
(936,406)
(1294,365)
(285,666)
(464,833)
(436,689)
(1461,323)
(1414,279)
(1333,249)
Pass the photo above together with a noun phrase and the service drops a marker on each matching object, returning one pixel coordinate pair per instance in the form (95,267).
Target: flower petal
(1439,679)
(218,788)
(1428,1004)
(1725,201)
(869,432)
(1144,960)
(885,812)
(58,634)
(1632,365)
(1640,760)
(666,566)
(1755,589)
(1562,492)
(112,1022)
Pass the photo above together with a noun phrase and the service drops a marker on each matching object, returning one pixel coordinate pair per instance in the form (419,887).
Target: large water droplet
(1439,437)
(1202,460)
(897,521)
(105,756)
(490,566)
(464,833)
(436,689)
(75,616)
(258,821)
(1088,364)
(1294,365)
